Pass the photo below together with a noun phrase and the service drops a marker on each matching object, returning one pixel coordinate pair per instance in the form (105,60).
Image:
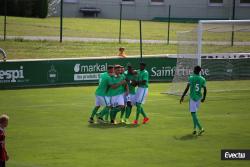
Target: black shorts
(2,163)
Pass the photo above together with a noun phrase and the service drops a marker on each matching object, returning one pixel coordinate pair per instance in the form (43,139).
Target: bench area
(90,11)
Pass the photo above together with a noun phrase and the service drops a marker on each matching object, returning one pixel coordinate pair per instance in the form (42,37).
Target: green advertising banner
(75,71)
(14,74)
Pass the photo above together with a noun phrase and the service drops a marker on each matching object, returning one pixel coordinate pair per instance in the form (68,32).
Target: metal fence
(120,31)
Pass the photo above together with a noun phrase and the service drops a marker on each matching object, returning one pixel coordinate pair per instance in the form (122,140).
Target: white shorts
(194,105)
(141,95)
(102,100)
(125,98)
(131,98)
(117,100)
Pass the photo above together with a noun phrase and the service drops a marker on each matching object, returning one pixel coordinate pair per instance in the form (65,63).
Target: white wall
(143,9)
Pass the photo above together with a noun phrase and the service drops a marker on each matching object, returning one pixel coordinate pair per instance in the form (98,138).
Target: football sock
(104,112)
(113,112)
(143,113)
(196,121)
(107,115)
(122,112)
(128,112)
(94,111)
(138,111)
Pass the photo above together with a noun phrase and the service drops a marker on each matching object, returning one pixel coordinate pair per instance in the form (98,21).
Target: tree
(42,8)
(25,8)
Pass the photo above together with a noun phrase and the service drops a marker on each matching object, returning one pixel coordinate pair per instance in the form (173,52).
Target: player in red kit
(4,119)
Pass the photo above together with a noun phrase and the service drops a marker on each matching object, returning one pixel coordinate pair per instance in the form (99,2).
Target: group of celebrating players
(117,92)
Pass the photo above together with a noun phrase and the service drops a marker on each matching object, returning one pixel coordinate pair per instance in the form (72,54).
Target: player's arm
(143,81)
(127,89)
(184,93)
(114,86)
(127,79)
(204,94)
(204,90)
(133,83)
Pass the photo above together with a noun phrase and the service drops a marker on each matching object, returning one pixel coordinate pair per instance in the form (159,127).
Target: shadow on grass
(186,137)
(107,126)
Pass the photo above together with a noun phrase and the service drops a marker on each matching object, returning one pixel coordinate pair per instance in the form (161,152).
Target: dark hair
(197,69)
(143,64)
(117,66)
(121,48)
(110,67)
(129,65)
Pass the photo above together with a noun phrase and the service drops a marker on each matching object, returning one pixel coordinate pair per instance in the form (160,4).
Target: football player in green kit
(130,100)
(195,82)
(101,95)
(141,93)
(116,91)
(122,74)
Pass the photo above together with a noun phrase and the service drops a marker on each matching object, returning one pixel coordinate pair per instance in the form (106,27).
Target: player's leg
(113,112)
(106,116)
(193,106)
(107,104)
(128,111)
(143,113)
(122,114)
(138,104)
(131,102)
(192,109)
(93,113)
(123,110)
(141,95)
(196,122)
(113,109)
(201,130)
(118,105)
(193,114)
(94,110)
(108,111)
(138,111)
(2,163)
(105,101)
(104,112)
(145,119)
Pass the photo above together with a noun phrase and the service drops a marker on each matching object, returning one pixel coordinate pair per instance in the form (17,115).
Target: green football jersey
(119,90)
(196,82)
(129,78)
(143,75)
(123,75)
(103,84)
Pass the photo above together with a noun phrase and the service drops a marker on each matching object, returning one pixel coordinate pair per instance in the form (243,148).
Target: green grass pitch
(48,128)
